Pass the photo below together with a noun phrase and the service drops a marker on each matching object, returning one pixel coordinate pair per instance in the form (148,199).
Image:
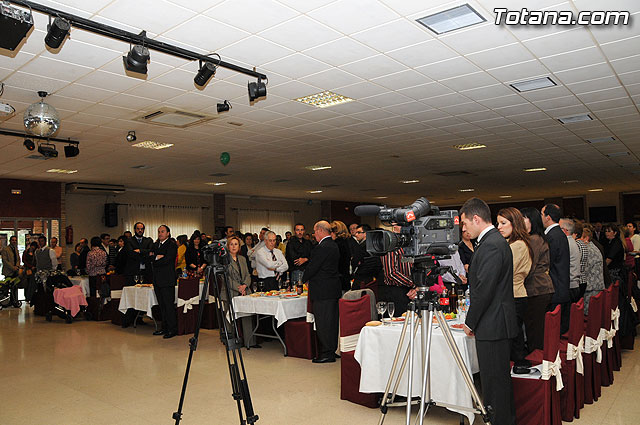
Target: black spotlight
(257,90)
(224,107)
(206,71)
(28,143)
(48,150)
(71,150)
(131,136)
(136,60)
(56,32)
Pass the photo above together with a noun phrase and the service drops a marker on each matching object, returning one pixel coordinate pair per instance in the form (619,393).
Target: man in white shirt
(568,227)
(45,257)
(270,263)
(635,237)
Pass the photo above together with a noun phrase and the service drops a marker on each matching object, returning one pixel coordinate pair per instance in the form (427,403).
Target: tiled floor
(96,373)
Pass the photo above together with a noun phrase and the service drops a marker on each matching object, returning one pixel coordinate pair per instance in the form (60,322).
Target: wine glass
(391,308)
(381,306)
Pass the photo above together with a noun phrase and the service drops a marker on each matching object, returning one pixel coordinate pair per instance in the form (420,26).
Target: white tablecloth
(83,282)
(282,309)
(141,298)
(377,347)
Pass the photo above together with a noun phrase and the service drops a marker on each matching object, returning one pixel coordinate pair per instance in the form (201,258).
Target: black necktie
(15,255)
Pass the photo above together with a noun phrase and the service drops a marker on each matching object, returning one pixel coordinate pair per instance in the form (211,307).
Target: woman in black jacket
(340,234)
(121,255)
(614,253)
(193,257)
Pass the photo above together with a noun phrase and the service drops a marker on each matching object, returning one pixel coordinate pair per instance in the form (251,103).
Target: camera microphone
(367,210)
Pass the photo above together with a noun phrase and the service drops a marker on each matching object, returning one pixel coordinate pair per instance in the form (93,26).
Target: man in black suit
(366,267)
(163,260)
(138,261)
(324,290)
(492,312)
(559,262)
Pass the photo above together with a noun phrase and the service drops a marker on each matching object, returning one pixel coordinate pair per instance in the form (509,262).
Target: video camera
(215,253)
(425,231)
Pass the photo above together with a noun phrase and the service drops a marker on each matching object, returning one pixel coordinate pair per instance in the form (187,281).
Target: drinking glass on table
(381,306)
(391,308)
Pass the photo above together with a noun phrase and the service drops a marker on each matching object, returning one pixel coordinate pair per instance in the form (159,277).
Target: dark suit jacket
(121,261)
(322,272)
(559,264)
(134,258)
(164,269)
(492,313)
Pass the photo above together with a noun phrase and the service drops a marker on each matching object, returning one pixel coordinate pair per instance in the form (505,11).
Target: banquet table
(376,349)
(279,310)
(82,282)
(142,299)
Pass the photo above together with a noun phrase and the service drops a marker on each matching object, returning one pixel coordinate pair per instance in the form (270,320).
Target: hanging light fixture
(41,119)
(206,71)
(137,58)
(57,31)
(257,90)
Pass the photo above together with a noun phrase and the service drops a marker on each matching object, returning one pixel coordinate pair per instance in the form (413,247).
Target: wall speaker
(111,215)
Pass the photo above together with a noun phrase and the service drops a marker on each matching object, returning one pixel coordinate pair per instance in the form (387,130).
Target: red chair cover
(210,315)
(617,348)
(300,339)
(606,367)
(592,376)
(572,396)
(116,283)
(627,342)
(354,314)
(187,289)
(537,401)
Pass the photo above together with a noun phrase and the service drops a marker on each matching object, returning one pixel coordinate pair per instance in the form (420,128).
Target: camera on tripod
(215,253)
(425,231)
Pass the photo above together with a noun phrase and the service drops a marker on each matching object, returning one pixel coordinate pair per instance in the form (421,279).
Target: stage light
(131,136)
(57,31)
(205,73)
(136,60)
(257,90)
(71,151)
(48,150)
(223,107)
(28,143)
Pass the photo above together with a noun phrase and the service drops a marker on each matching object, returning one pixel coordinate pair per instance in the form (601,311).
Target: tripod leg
(386,394)
(412,324)
(405,360)
(425,396)
(448,337)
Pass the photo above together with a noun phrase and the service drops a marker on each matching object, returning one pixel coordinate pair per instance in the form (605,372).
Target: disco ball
(41,119)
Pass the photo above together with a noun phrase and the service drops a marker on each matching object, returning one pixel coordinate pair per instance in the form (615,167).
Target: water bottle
(184,274)
(467,300)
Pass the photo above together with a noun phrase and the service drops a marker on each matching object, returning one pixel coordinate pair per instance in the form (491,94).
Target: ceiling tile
(34,82)
(341,51)
(386,99)
(56,69)
(205,33)
(589,72)
(478,38)
(350,16)
(296,66)
(373,67)
(293,90)
(300,33)
(620,65)
(469,81)
(518,72)
(255,51)
(574,59)
(331,79)
(393,35)
(500,56)
(596,84)
(103,79)
(422,54)
(146,14)
(622,48)
(560,42)
(267,12)
(196,6)
(402,80)
(305,6)
(155,91)
(361,90)
(487,92)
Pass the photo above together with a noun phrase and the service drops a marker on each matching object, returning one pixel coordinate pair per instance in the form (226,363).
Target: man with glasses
(270,263)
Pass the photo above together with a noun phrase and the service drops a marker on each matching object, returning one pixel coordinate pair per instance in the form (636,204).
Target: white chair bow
(608,336)
(595,345)
(349,342)
(188,304)
(634,306)
(550,369)
(615,318)
(574,352)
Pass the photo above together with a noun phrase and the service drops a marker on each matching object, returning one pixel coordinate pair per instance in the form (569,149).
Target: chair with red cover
(592,356)
(116,283)
(571,349)
(615,325)
(627,341)
(606,367)
(300,339)
(354,314)
(537,401)
(187,305)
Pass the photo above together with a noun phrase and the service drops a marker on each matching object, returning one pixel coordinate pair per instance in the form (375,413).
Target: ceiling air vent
(169,117)
(219,174)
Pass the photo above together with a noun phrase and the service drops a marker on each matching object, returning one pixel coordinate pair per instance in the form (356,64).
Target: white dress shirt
(264,262)
(548,229)
(251,253)
(484,232)
(456,264)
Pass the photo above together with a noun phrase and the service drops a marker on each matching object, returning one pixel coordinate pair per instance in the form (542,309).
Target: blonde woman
(340,233)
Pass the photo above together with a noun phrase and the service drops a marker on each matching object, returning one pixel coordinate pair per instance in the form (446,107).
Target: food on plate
(373,323)
(458,326)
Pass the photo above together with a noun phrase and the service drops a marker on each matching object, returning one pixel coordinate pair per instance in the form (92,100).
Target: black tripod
(231,340)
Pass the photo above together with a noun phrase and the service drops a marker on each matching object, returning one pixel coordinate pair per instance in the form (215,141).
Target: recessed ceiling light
(535,84)
(596,190)
(16,191)
(216,183)
(381,197)
(469,146)
(237,124)
(452,19)
(324,99)
(148,144)
(314,191)
(61,171)
(569,181)
(409,181)
(467,190)
(505,196)
(601,139)
(575,118)
(141,167)
(533,170)
(318,167)
(617,154)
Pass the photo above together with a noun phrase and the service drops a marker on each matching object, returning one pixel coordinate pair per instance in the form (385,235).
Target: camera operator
(398,286)
(492,313)
(366,267)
